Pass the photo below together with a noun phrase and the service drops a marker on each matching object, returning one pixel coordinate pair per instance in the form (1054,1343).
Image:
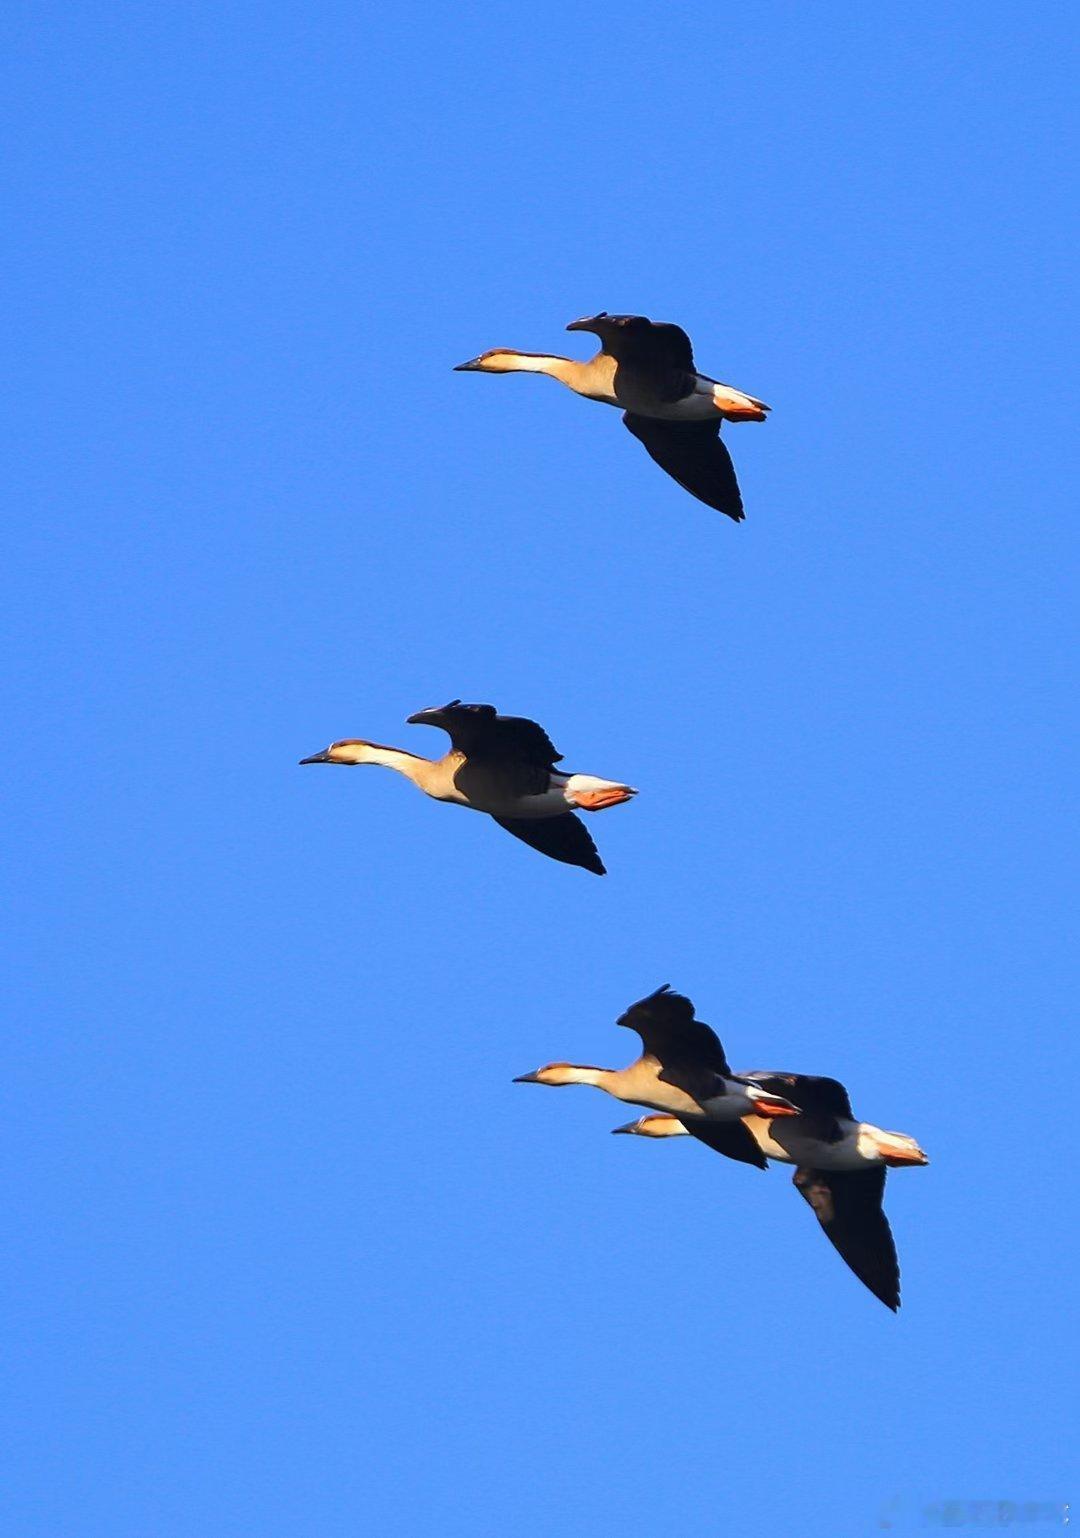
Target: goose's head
(654,1126)
(892,1148)
(351,750)
(557,1073)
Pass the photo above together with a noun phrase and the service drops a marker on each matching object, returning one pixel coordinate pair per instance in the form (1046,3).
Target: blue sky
(288,1252)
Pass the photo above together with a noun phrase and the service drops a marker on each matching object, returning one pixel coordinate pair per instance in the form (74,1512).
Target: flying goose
(682,1069)
(647,369)
(840,1169)
(502,765)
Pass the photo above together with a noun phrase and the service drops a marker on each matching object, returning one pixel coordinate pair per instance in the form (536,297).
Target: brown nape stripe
(383,747)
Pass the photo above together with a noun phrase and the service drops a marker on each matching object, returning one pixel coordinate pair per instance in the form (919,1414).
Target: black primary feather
(847,1204)
(731,1139)
(561,838)
(694,455)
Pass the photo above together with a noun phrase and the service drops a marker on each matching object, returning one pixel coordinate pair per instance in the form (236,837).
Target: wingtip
(890,1296)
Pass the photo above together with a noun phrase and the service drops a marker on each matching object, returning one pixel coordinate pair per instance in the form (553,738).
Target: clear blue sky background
(288,1252)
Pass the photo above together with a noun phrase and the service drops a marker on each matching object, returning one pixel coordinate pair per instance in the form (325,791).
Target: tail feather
(735,406)
(590,794)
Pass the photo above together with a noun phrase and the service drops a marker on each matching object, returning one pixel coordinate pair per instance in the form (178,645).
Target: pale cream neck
(599,1078)
(409,764)
(584,377)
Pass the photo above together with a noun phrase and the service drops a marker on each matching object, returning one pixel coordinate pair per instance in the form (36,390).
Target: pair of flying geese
(506,766)
(800,1119)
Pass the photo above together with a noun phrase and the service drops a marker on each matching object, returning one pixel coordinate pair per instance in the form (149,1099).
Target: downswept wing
(729,1138)
(670,1033)
(847,1204)
(561,838)
(694,454)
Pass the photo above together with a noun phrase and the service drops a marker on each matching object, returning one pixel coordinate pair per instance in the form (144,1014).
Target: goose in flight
(840,1169)
(682,1069)
(646,368)
(502,765)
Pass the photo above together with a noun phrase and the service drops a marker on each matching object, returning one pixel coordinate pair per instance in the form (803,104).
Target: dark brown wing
(479,731)
(693,454)
(847,1204)
(729,1138)
(669,345)
(821,1096)
(563,838)
(647,344)
(656,355)
(665,1022)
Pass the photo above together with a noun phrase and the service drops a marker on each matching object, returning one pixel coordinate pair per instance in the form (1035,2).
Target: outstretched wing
(729,1138)
(479,731)
(693,454)
(669,1032)
(847,1204)
(563,838)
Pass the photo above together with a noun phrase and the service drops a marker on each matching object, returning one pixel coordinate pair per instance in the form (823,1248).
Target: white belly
(552,803)
(781,1138)
(565,793)
(482,789)
(696,407)
(705,403)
